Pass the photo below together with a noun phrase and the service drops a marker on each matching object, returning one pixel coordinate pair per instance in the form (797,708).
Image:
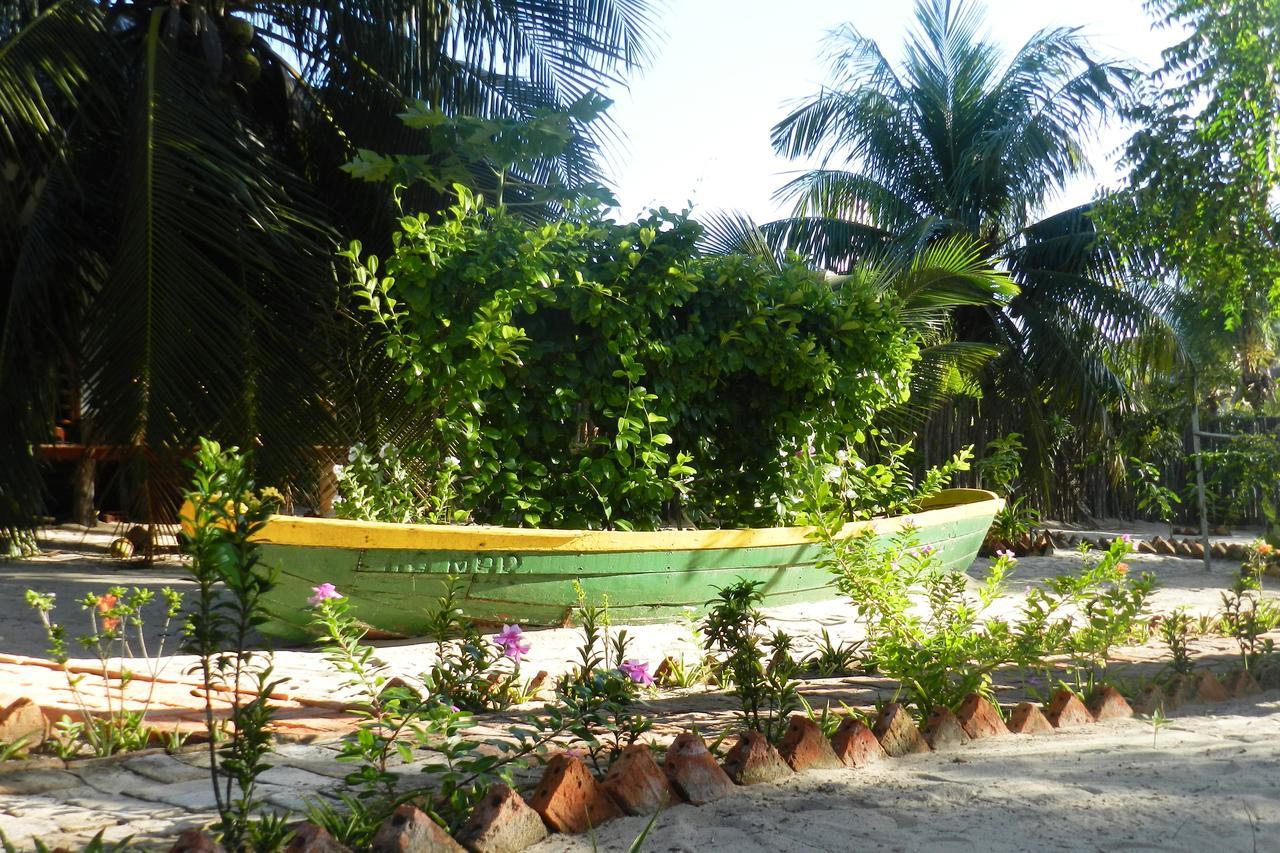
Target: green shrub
(595,374)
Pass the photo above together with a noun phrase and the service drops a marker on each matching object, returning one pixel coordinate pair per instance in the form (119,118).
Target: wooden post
(1195,450)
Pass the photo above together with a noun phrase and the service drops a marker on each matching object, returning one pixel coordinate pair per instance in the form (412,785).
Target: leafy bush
(1153,497)
(594,374)
(1001,465)
(1238,470)
(939,656)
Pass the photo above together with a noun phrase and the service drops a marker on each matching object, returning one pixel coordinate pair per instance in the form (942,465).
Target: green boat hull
(393,575)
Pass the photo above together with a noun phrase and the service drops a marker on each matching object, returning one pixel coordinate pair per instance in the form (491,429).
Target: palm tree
(958,140)
(171,194)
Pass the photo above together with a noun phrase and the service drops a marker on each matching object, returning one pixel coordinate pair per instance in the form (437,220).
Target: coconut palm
(171,194)
(959,140)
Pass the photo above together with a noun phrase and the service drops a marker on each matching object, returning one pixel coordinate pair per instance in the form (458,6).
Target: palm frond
(212,320)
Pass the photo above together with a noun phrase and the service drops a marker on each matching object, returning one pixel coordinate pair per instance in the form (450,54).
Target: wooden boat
(393,574)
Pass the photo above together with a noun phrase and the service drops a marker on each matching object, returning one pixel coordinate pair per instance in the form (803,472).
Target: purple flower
(1126,538)
(927,551)
(1006,553)
(638,672)
(324,592)
(513,643)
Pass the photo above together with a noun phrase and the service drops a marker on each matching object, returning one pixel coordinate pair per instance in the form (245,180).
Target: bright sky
(697,122)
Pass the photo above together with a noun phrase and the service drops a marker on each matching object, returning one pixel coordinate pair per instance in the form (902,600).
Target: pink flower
(324,592)
(1126,538)
(1006,553)
(513,643)
(927,551)
(637,671)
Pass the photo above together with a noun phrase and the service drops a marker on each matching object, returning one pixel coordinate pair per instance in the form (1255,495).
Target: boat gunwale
(948,505)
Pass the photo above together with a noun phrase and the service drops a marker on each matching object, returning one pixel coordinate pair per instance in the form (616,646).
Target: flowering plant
(513,642)
(636,671)
(116,632)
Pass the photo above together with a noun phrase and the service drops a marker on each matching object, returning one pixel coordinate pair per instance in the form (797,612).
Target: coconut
(248,68)
(239,31)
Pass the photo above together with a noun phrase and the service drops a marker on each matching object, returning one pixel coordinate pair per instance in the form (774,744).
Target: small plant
(1014,520)
(1245,619)
(97,844)
(1157,720)
(1174,629)
(353,824)
(832,659)
(117,630)
(382,487)
(766,691)
(596,701)
(222,516)
(14,750)
(827,721)
(1153,497)
(1260,560)
(472,670)
(384,708)
(1110,603)
(678,671)
(593,708)
(951,652)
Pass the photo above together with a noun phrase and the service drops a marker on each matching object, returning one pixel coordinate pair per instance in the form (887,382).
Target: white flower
(337,470)
(353,453)
(842,456)
(850,494)
(452,462)
(831,473)
(385,450)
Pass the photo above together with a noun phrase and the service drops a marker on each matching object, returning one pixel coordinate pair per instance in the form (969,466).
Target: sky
(696,122)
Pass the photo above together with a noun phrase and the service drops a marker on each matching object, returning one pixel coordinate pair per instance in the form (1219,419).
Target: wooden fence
(1078,491)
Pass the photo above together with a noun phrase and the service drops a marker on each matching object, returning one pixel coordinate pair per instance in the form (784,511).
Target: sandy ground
(1210,781)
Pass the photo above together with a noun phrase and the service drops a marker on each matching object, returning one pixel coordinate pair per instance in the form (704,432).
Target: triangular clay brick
(980,718)
(1240,682)
(1180,690)
(897,732)
(943,731)
(692,770)
(569,798)
(754,761)
(1028,719)
(1066,711)
(1150,699)
(637,784)
(1210,689)
(502,822)
(1106,703)
(409,829)
(805,747)
(856,744)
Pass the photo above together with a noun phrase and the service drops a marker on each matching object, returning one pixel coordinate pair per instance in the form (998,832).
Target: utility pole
(1195,450)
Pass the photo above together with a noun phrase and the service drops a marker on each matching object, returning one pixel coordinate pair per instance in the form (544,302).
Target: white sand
(1211,782)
